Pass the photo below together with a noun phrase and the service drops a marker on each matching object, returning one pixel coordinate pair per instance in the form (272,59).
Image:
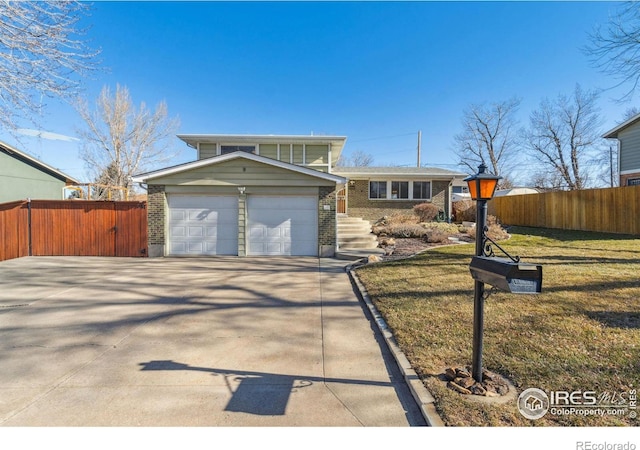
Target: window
(422,190)
(459,190)
(633,181)
(399,189)
(377,189)
(224,149)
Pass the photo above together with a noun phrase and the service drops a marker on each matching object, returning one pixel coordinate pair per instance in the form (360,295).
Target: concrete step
(352,220)
(371,241)
(354,228)
(354,233)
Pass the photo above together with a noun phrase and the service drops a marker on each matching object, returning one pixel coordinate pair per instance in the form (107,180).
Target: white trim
(145,177)
(629,172)
(389,183)
(609,134)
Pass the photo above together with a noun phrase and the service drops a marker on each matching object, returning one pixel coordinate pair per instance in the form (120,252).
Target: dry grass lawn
(581,333)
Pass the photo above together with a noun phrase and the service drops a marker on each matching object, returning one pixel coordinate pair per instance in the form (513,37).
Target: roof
(432,172)
(145,177)
(613,133)
(35,163)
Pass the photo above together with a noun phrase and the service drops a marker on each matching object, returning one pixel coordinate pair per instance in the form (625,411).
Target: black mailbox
(504,274)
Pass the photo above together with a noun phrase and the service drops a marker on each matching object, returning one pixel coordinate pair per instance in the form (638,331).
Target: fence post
(29,226)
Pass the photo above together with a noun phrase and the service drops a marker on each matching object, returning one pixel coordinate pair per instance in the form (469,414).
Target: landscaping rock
(458,388)
(460,380)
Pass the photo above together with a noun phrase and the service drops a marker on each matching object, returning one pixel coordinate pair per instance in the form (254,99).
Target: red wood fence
(73,228)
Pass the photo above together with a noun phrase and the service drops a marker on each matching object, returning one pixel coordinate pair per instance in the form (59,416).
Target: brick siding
(359,204)
(156,215)
(327,221)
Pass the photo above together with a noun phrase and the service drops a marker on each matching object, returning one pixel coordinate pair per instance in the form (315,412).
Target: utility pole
(419,146)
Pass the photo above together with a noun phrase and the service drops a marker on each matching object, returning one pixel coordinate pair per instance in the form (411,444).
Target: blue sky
(376,72)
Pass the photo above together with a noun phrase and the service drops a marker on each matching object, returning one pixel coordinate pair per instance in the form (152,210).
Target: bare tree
(564,135)
(120,140)
(40,56)
(357,158)
(616,49)
(489,136)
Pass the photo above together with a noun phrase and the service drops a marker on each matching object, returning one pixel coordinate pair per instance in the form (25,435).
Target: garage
(203,225)
(282,225)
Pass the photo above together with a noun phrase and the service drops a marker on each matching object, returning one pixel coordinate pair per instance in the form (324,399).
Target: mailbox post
(481,188)
(509,275)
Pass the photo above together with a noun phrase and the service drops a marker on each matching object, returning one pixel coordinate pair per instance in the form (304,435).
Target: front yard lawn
(581,334)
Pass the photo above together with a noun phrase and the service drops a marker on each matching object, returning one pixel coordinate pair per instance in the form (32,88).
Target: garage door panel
(203,225)
(282,226)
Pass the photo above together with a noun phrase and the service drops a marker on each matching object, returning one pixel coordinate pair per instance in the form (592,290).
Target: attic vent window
(224,149)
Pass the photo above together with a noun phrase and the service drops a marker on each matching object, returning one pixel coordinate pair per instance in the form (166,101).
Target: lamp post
(481,188)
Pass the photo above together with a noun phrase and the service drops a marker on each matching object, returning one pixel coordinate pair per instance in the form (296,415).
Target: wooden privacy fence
(614,210)
(72,228)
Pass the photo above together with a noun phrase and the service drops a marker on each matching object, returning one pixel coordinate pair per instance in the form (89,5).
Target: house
(23,176)
(628,136)
(273,195)
(375,192)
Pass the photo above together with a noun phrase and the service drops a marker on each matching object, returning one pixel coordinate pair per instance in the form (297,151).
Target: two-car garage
(241,204)
(202,225)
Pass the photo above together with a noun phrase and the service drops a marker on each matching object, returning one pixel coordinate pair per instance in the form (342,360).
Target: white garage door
(203,225)
(282,225)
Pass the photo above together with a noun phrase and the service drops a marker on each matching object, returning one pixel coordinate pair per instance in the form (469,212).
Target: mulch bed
(406,247)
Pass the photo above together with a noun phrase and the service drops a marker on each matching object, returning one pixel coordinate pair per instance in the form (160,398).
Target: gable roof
(146,177)
(35,163)
(431,172)
(613,133)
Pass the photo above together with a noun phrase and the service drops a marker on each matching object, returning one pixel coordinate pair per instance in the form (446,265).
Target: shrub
(397,218)
(438,237)
(495,230)
(443,227)
(426,211)
(404,230)
(464,211)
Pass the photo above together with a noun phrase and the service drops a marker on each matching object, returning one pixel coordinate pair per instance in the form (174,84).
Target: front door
(341,198)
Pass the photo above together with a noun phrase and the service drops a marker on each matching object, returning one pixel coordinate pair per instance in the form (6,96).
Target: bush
(442,227)
(406,231)
(464,211)
(495,230)
(426,211)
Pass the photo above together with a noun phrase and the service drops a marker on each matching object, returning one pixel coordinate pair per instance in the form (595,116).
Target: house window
(633,182)
(377,189)
(459,190)
(399,189)
(224,149)
(421,190)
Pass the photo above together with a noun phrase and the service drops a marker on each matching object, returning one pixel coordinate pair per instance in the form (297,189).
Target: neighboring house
(22,177)
(628,136)
(273,195)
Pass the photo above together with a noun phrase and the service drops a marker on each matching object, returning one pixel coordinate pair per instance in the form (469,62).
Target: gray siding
(630,148)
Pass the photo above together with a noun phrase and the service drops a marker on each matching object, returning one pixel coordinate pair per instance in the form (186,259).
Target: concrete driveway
(191,342)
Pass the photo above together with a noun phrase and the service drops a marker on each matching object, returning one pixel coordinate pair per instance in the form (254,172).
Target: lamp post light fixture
(482,186)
